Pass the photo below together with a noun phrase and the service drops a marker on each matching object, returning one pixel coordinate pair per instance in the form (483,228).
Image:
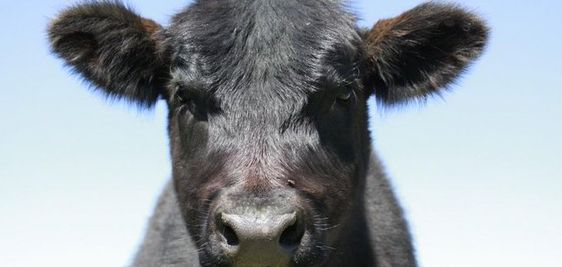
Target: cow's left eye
(345,96)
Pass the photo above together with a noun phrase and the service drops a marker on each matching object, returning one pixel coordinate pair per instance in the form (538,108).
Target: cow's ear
(113,48)
(421,51)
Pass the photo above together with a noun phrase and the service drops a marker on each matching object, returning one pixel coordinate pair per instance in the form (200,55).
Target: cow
(272,163)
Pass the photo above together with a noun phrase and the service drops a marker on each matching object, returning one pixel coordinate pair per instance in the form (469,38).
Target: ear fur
(115,49)
(421,51)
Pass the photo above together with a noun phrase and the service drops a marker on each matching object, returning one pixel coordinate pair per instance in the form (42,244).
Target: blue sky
(479,171)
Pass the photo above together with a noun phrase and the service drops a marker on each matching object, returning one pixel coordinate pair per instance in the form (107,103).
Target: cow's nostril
(257,234)
(229,235)
(291,237)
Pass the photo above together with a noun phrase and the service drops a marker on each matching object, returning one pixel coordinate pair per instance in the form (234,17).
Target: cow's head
(267,107)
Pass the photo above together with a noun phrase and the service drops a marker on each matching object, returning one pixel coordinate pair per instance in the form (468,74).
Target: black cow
(272,162)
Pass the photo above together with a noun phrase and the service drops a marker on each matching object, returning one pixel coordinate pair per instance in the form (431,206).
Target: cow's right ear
(113,48)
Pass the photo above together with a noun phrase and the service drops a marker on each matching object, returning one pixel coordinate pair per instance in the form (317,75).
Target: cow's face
(267,108)
(268,129)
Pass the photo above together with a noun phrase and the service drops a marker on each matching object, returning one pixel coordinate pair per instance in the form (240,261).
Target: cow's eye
(183,96)
(345,97)
(187,100)
(199,103)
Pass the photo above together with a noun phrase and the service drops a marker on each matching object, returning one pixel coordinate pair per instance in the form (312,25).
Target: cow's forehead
(267,48)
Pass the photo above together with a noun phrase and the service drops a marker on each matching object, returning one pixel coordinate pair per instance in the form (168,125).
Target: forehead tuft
(260,45)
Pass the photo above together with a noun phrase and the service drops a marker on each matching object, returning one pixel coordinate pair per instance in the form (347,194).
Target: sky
(479,171)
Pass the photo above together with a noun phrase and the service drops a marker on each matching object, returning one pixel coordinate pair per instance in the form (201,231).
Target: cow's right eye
(187,101)
(183,97)
(198,102)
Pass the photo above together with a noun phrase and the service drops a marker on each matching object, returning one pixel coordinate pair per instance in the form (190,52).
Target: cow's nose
(260,235)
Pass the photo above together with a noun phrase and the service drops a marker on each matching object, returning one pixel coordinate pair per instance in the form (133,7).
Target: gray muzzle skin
(259,232)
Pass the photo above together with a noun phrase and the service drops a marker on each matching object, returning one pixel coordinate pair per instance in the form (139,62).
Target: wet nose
(260,236)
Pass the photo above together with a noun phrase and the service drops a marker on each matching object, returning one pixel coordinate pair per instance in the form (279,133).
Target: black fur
(422,51)
(268,99)
(113,48)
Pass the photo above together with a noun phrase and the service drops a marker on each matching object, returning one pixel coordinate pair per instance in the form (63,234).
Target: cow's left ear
(113,48)
(421,51)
